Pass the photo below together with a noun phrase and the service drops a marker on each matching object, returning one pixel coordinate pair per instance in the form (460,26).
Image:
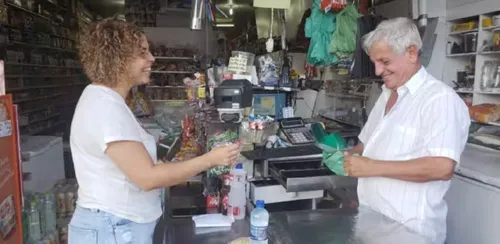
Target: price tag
(201,92)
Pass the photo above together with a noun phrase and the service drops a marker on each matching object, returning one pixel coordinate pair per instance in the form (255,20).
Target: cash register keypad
(300,135)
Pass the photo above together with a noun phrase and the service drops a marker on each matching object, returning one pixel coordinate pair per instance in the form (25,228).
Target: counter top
(343,226)
(479,163)
(182,230)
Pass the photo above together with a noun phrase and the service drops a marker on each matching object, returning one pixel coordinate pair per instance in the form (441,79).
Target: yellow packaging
(496,39)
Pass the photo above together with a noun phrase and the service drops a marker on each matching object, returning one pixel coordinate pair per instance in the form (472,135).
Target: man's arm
(357,149)
(416,170)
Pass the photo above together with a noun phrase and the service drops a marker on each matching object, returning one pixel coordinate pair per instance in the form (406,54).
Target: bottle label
(258,233)
(236,211)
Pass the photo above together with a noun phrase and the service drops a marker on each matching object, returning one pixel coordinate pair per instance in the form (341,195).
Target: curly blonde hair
(106,47)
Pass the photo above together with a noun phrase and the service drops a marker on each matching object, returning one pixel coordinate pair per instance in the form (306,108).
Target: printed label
(5,128)
(236,211)
(258,233)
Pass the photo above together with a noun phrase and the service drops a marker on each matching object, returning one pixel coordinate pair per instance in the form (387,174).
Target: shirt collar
(414,82)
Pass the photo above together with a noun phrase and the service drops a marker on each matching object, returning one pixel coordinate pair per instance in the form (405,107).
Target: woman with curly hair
(115,158)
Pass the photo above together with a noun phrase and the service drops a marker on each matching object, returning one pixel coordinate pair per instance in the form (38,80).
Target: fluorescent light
(231,11)
(224,25)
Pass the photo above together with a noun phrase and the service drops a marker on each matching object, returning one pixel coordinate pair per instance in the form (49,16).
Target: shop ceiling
(107,8)
(244,15)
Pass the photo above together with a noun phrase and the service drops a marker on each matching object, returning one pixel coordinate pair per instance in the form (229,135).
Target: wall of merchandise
(41,67)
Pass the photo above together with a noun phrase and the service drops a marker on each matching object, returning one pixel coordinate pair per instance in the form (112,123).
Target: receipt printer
(231,98)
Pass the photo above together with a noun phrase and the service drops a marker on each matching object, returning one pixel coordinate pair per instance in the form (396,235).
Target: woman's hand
(224,156)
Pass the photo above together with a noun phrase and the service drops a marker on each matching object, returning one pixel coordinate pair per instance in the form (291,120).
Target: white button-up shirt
(428,119)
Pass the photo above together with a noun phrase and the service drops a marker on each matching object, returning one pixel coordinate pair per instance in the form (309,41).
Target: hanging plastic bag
(319,27)
(343,41)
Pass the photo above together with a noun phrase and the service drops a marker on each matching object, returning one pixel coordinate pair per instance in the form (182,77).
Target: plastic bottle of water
(238,174)
(259,220)
(237,193)
(40,198)
(34,222)
(50,213)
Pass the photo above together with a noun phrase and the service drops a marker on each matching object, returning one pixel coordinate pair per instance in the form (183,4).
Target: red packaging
(212,201)
(224,205)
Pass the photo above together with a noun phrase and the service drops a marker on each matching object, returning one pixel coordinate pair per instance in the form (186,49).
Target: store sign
(10,179)
(2,78)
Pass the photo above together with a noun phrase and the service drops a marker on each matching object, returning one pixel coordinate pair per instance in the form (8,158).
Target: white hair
(399,33)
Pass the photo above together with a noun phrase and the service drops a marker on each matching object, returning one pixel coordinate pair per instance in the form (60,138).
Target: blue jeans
(91,226)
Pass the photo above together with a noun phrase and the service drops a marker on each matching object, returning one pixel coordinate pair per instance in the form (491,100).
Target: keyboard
(297,151)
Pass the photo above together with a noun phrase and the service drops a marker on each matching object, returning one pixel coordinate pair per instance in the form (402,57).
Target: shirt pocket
(404,139)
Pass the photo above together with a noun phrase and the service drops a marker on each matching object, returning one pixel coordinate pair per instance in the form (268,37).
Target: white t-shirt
(428,119)
(101,117)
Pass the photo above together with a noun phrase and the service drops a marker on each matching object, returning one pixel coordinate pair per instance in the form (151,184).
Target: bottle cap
(239,166)
(259,204)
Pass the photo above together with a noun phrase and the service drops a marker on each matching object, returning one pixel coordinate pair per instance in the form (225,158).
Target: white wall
(409,8)
(457,9)
(435,8)
(397,8)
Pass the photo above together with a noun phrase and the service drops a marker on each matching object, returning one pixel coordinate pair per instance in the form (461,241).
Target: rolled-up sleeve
(445,126)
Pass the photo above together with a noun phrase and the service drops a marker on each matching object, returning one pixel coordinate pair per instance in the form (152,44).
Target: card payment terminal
(295,130)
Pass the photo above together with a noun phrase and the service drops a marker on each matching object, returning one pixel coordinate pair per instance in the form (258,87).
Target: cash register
(231,98)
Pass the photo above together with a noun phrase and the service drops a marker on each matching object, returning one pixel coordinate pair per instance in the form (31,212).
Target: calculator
(296,131)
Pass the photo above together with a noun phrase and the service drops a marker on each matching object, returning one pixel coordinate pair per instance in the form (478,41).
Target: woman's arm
(133,159)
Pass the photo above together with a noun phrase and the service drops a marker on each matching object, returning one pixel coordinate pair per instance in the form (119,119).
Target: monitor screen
(292,123)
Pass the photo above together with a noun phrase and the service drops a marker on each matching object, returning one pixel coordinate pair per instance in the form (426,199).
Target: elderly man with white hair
(413,138)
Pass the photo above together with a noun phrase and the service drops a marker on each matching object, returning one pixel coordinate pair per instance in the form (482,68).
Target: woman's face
(140,68)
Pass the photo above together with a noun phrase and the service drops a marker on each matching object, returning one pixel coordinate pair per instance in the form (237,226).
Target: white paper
(212,220)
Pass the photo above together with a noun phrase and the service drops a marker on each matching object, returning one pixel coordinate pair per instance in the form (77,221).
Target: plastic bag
(335,161)
(343,41)
(319,27)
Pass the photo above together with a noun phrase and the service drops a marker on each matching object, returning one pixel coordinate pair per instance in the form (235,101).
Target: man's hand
(357,166)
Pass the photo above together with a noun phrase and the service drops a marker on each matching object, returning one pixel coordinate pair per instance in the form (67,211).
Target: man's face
(394,69)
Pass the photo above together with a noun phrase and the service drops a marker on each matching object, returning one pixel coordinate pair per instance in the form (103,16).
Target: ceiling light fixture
(231,10)
(225,25)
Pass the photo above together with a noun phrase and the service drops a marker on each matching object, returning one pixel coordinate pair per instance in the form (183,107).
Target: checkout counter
(290,175)
(342,226)
(280,176)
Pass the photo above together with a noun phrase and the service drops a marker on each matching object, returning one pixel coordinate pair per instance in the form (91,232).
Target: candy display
(166,93)
(173,73)
(141,12)
(221,138)
(138,104)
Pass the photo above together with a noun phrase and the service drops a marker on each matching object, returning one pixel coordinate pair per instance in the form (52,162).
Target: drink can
(70,202)
(61,204)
